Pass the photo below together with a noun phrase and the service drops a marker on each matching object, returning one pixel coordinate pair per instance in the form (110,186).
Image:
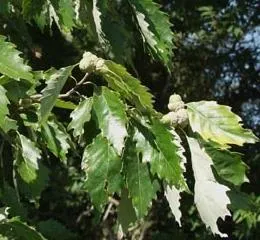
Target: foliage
(95,118)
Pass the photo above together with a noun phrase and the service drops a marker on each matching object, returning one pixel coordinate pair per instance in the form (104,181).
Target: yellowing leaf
(217,123)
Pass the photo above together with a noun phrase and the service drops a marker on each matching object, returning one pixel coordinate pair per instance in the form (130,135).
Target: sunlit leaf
(102,166)
(210,197)
(217,123)
(112,119)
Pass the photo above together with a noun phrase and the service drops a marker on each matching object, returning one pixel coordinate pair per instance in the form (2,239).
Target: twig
(70,92)
(110,205)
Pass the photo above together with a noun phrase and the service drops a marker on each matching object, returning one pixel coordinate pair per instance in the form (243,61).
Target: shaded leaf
(80,116)
(229,165)
(102,166)
(8,196)
(51,92)
(6,123)
(217,123)
(53,230)
(56,139)
(112,31)
(33,174)
(139,183)
(15,229)
(126,212)
(11,64)
(112,119)
(155,28)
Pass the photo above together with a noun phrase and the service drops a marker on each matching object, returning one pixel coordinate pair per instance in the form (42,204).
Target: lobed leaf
(80,116)
(102,165)
(32,172)
(211,197)
(112,31)
(155,28)
(228,165)
(128,86)
(139,183)
(168,163)
(217,123)
(11,64)
(111,116)
(171,193)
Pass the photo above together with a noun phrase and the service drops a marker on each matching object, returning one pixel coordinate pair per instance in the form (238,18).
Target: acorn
(88,62)
(175,98)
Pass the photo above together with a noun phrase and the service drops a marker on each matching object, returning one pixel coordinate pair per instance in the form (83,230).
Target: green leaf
(66,14)
(65,104)
(31,7)
(56,139)
(229,165)
(44,13)
(139,183)
(102,166)
(126,212)
(15,229)
(128,86)
(6,123)
(29,166)
(155,28)
(11,64)
(112,119)
(32,172)
(167,165)
(217,123)
(111,30)
(210,197)
(51,92)
(80,116)
(54,230)
(8,196)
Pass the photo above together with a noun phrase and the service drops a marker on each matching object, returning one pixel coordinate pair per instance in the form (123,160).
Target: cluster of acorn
(178,115)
